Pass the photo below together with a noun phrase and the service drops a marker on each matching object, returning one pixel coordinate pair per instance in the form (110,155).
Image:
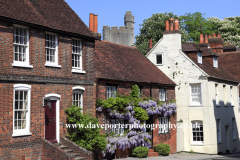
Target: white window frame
(233,129)
(55,63)
(225,95)
(199,55)
(231,96)
(110,91)
(192,94)
(15,63)
(162,94)
(216,95)
(197,125)
(79,68)
(22,132)
(79,91)
(117,126)
(163,124)
(215,62)
(162,58)
(219,131)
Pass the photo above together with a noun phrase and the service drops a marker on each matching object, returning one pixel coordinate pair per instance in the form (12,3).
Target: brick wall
(169,138)
(43,80)
(124,88)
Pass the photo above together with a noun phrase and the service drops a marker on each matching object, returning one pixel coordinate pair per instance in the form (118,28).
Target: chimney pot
(171,24)
(205,38)
(150,43)
(91,21)
(176,25)
(214,35)
(201,38)
(95,22)
(167,25)
(209,36)
(219,35)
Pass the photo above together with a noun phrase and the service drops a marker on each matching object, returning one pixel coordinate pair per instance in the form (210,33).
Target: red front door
(50,121)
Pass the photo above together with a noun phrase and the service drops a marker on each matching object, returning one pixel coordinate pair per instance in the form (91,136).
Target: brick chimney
(91,21)
(176,25)
(167,25)
(205,38)
(201,38)
(95,23)
(150,45)
(216,43)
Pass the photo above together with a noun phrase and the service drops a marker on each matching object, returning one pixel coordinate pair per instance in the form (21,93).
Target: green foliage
(140,113)
(191,152)
(152,28)
(193,24)
(114,103)
(135,95)
(140,152)
(229,28)
(162,149)
(89,138)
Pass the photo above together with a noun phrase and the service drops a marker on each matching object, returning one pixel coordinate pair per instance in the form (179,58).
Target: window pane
(159,59)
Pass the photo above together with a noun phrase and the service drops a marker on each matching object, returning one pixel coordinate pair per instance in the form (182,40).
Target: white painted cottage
(206,94)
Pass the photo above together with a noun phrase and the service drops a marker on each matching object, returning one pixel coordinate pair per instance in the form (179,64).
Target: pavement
(188,156)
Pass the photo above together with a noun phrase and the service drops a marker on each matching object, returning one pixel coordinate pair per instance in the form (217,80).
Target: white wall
(178,67)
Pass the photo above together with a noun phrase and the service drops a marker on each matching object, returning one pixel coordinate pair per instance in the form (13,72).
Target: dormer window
(215,62)
(159,59)
(199,54)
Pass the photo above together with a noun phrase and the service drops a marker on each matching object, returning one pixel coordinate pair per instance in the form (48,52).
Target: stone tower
(124,35)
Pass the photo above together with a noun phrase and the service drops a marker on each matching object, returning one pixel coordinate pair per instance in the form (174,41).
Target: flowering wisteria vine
(134,137)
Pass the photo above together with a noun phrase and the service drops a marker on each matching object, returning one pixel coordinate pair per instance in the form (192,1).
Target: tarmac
(195,156)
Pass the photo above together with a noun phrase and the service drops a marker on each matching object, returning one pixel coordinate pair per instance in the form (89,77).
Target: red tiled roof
(231,61)
(53,14)
(119,62)
(219,72)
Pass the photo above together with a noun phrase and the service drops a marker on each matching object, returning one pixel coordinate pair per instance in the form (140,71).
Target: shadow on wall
(226,127)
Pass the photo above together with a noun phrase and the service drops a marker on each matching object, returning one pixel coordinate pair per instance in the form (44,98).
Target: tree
(229,28)
(194,24)
(152,28)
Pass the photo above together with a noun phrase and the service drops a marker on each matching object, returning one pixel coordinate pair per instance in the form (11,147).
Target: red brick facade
(124,88)
(43,80)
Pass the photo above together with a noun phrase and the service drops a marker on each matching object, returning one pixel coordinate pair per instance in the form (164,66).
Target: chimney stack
(176,25)
(95,23)
(219,35)
(216,43)
(201,38)
(209,36)
(214,35)
(150,43)
(171,24)
(205,38)
(91,21)
(167,25)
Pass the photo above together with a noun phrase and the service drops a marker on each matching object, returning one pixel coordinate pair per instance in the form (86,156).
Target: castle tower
(124,35)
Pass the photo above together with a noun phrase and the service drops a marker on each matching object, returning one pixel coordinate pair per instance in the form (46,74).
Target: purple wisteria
(135,137)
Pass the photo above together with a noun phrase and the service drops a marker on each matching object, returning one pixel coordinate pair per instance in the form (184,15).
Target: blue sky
(111,12)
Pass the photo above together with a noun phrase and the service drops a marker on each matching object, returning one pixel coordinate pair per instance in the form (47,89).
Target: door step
(69,151)
(151,153)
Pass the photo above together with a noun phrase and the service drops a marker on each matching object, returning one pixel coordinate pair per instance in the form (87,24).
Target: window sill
(52,65)
(78,71)
(22,65)
(21,134)
(159,64)
(195,105)
(232,106)
(197,144)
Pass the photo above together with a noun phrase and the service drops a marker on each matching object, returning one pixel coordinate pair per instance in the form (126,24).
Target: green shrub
(89,138)
(162,149)
(140,152)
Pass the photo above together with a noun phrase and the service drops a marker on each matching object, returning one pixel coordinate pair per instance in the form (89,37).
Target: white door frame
(57,97)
